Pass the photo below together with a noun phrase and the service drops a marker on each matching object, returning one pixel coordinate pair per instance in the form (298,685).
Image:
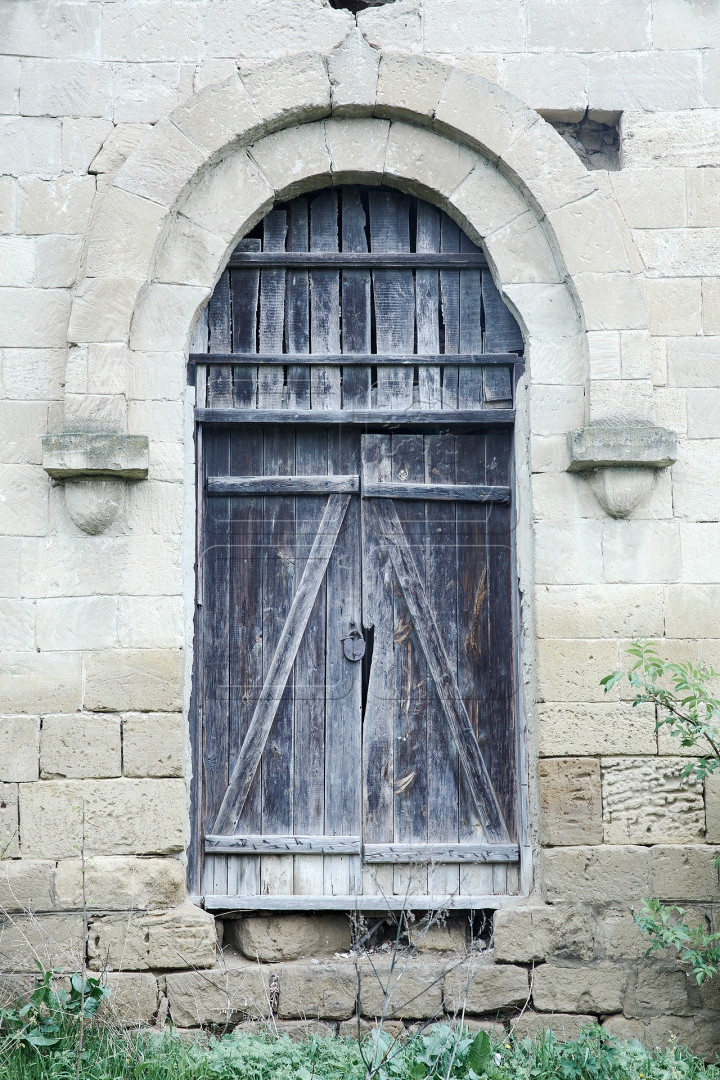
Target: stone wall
(96,630)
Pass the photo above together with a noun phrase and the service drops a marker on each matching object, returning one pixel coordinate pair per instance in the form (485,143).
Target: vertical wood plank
(471,335)
(311,459)
(343,678)
(502,333)
(324,302)
(427,290)
(219,325)
(441,588)
(297,306)
(272,309)
(216,657)
(394,297)
(245,286)
(356,319)
(450,299)
(410,711)
(246,625)
(199,339)
(278,590)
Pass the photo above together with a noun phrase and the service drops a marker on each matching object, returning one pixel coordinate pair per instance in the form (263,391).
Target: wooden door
(354,729)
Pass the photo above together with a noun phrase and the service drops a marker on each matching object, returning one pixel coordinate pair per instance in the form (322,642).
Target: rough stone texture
(9,821)
(596,988)
(118,883)
(309,991)
(181,938)
(73,747)
(484,988)
(684,872)
(522,934)
(143,680)
(698,1032)
(96,455)
(602,446)
(290,937)
(133,998)
(564,1026)
(452,935)
(224,995)
(646,801)
(53,940)
(20,740)
(123,817)
(153,744)
(570,803)
(297,1030)
(595,728)
(26,885)
(597,873)
(412,990)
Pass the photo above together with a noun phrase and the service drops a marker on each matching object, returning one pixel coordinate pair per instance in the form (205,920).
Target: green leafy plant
(684,704)
(43,1020)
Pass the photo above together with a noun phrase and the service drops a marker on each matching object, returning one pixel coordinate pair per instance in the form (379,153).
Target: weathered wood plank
(245,286)
(394,297)
(199,340)
(374,902)
(356,317)
(324,301)
(281,664)
(497,384)
(297,308)
(272,307)
(387,260)
(441,853)
(435,492)
(362,417)
(450,302)
(502,333)
(281,845)
(427,293)
(443,677)
(283,485)
(220,391)
(470,386)
(344,359)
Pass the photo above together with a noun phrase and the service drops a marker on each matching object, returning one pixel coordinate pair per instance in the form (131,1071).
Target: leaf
(480,1052)
(36,1039)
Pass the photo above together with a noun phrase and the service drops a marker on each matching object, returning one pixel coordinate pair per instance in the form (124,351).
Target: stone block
(57,261)
(651,80)
(226,994)
(9,822)
(153,744)
(596,874)
(353,71)
(297,1030)
(32,373)
(20,740)
(619,937)
(230,198)
(219,115)
(102,309)
(413,990)
(524,934)
(568,554)
(571,670)
(357,150)
(162,166)
(605,445)
(147,621)
(183,937)
(449,936)
(703,409)
(570,801)
(611,301)
(81,140)
(712,808)
(549,82)
(711,305)
(17,630)
(241,29)
(675,306)
(30,144)
(596,611)
(123,817)
(26,884)
(121,141)
(492,128)
(16,988)
(294,160)
(409,87)
(700,555)
(564,1026)
(40,683)
(453,27)
(60,31)
(487,200)
(692,611)
(657,989)
(698,1033)
(290,937)
(34,318)
(420,161)
(316,990)
(80,745)
(190,255)
(66,88)
(396,26)
(595,728)
(592,988)
(134,680)
(165,316)
(126,229)
(684,872)
(554,409)
(615,27)
(293,89)
(645,801)
(76,623)
(640,551)
(694,362)
(17,261)
(151,32)
(56,941)
(55,206)
(540,156)
(521,253)
(484,988)
(695,481)
(119,883)
(133,998)
(603,250)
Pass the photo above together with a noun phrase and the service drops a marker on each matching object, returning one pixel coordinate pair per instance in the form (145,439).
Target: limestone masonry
(140,140)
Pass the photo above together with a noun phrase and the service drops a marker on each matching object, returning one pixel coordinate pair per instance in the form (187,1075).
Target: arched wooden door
(354,729)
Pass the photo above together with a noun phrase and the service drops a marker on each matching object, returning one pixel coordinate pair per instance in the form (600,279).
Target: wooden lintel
(369,418)
(439,492)
(336,260)
(441,853)
(283,485)
(282,845)
(354,359)
(401,902)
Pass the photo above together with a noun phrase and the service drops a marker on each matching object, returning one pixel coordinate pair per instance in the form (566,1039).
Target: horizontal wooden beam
(353,359)
(439,492)
(372,418)
(283,485)
(353,260)
(282,845)
(441,902)
(441,853)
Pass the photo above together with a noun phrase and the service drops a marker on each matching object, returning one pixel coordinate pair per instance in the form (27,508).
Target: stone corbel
(620,459)
(95,468)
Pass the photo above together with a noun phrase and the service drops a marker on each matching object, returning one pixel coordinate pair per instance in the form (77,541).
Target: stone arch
(161,233)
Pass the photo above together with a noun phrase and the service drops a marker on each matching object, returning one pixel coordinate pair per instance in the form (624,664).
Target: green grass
(438,1054)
